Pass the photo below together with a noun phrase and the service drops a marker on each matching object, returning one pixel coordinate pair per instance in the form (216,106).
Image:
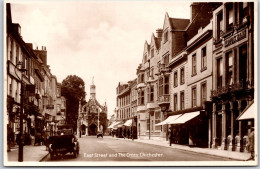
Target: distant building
(92,115)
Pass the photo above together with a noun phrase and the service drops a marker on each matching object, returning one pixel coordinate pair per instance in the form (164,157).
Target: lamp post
(21,139)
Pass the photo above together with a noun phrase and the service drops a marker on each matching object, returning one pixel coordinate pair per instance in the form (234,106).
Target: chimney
(195,7)
(17,28)
(30,45)
(159,33)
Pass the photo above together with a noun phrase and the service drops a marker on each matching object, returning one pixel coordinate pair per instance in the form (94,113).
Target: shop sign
(235,38)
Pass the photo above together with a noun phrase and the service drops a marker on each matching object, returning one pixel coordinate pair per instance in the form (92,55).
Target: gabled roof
(157,41)
(179,23)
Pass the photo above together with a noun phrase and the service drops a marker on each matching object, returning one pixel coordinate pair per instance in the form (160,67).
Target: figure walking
(251,147)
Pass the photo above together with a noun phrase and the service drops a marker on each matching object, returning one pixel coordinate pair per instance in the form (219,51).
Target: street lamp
(21,139)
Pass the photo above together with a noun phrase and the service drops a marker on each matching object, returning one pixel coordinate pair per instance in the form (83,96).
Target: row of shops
(124,129)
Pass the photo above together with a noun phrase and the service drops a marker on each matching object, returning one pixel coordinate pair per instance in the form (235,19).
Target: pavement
(243,156)
(38,153)
(30,153)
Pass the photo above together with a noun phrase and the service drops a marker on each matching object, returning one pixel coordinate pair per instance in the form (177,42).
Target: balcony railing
(164,98)
(236,87)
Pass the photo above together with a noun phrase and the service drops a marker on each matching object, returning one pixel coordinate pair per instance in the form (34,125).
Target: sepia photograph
(130,83)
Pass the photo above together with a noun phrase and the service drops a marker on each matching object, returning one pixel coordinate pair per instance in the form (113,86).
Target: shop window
(194,71)
(147,124)
(175,79)
(157,119)
(203,93)
(182,100)
(219,72)
(175,108)
(229,65)
(194,97)
(219,24)
(203,58)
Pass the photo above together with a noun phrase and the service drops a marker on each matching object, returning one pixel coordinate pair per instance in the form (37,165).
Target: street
(109,149)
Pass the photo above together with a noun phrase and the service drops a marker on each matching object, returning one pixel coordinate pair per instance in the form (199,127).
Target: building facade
(233,74)
(29,75)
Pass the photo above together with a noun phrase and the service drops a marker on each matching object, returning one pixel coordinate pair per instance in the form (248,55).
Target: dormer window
(166,60)
(166,36)
(152,53)
(145,58)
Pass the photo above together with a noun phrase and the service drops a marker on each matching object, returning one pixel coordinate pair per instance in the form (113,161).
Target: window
(219,72)
(157,119)
(142,97)
(141,78)
(229,16)
(152,94)
(11,50)
(203,93)
(17,54)
(166,36)
(175,108)
(175,79)
(243,64)
(152,53)
(166,60)
(243,12)
(203,58)
(194,72)
(161,86)
(219,25)
(166,85)
(145,58)
(229,65)
(194,96)
(10,87)
(182,100)
(151,72)
(182,81)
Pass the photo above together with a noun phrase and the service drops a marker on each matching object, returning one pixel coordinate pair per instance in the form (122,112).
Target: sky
(100,39)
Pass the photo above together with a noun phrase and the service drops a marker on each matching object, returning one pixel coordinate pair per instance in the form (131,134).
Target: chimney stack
(195,7)
(159,33)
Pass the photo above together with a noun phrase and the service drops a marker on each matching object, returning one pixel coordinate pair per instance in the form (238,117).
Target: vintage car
(99,134)
(63,144)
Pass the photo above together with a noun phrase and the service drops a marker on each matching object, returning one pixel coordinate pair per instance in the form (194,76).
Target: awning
(114,124)
(111,125)
(186,117)
(248,113)
(118,125)
(169,120)
(128,123)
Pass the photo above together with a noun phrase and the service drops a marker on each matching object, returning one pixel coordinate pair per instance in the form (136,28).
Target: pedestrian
(251,146)
(128,133)
(170,135)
